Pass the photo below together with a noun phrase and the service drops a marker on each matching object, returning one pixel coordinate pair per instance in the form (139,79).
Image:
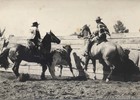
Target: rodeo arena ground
(71,82)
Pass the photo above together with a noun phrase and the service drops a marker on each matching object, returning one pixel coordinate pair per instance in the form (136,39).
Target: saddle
(35,52)
(33,48)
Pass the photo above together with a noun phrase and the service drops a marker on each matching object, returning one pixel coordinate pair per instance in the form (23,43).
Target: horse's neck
(46,47)
(85,33)
(89,31)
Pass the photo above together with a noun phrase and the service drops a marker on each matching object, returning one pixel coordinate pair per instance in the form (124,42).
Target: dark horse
(19,52)
(110,55)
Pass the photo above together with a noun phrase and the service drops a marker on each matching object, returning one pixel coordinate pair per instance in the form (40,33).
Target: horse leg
(61,67)
(44,68)
(86,62)
(105,70)
(70,66)
(94,68)
(52,70)
(16,68)
(111,69)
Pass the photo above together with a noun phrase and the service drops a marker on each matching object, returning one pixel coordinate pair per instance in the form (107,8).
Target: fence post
(28,69)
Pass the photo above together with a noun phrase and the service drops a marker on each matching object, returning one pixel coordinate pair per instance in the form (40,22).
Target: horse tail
(3,58)
(122,55)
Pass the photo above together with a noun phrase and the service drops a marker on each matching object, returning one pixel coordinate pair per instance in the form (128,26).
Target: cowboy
(35,38)
(100,35)
(102,30)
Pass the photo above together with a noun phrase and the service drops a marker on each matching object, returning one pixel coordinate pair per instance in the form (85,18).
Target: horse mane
(87,29)
(46,39)
(46,43)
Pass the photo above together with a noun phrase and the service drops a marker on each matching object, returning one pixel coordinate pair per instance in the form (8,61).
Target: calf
(62,57)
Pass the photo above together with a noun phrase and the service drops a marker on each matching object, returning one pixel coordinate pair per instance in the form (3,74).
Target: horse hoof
(95,78)
(73,75)
(54,78)
(107,80)
(23,77)
(43,78)
(59,75)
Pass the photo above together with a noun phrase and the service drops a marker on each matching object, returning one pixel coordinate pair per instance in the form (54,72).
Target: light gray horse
(110,55)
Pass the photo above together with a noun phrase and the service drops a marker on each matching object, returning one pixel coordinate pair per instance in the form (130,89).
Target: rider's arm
(103,28)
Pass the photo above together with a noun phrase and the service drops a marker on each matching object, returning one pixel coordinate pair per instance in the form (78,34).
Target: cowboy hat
(35,24)
(98,18)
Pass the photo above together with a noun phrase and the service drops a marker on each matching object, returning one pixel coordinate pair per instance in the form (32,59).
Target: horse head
(46,41)
(54,38)
(84,32)
(50,37)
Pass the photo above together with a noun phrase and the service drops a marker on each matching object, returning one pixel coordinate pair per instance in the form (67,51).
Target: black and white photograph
(69,49)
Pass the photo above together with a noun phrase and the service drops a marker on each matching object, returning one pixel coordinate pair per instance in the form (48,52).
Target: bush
(120,28)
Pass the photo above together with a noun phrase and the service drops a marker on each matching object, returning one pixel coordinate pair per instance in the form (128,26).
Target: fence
(125,40)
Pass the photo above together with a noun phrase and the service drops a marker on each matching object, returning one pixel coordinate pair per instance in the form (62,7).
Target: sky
(64,17)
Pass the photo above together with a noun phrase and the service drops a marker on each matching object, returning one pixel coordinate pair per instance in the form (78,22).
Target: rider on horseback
(35,38)
(100,35)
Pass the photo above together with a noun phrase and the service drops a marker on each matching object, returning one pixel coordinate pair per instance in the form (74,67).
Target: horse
(19,52)
(110,55)
(85,32)
(62,57)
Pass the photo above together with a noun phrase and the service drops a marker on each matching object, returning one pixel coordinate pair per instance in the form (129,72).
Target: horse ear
(50,31)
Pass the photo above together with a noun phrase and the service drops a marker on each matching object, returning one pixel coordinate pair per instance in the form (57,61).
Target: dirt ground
(65,88)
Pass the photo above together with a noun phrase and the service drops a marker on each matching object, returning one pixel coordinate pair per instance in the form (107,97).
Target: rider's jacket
(102,29)
(35,35)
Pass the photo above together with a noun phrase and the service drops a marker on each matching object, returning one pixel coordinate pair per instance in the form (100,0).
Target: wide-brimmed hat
(98,18)
(85,26)
(35,24)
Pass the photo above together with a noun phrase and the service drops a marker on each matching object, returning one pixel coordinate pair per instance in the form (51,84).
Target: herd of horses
(112,56)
